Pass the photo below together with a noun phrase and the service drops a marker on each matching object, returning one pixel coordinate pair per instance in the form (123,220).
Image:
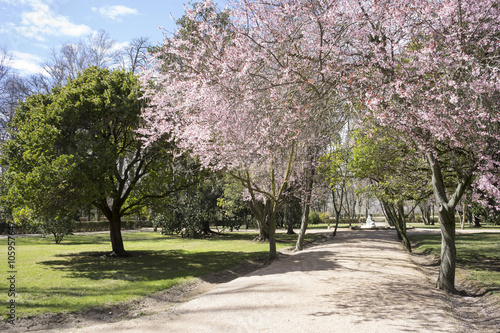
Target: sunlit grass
(77,274)
(457,226)
(478,254)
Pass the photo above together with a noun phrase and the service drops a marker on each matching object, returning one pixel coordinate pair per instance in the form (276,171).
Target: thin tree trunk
(304,222)
(462,222)
(395,216)
(289,217)
(272,232)
(299,246)
(337,208)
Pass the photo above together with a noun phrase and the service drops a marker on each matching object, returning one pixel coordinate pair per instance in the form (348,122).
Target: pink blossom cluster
(240,92)
(434,74)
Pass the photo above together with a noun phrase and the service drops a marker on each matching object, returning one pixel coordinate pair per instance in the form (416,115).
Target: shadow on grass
(145,265)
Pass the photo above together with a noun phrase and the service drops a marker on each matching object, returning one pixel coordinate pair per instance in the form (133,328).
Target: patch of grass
(332,225)
(421,225)
(77,274)
(478,254)
(457,226)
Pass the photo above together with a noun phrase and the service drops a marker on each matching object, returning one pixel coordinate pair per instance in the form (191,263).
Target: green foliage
(189,212)
(58,227)
(396,173)
(314,218)
(78,147)
(325,217)
(485,215)
(65,144)
(231,204)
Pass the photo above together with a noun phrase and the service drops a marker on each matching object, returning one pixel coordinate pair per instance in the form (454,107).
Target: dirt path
(360,281)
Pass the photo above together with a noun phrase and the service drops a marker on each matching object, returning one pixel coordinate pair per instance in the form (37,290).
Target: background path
(359,281)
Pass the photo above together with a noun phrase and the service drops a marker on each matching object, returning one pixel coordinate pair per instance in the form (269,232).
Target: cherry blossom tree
(431,72)
(249,94)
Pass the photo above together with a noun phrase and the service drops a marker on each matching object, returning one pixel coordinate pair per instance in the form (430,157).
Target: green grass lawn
(478,254)
(457,226)
(77,274)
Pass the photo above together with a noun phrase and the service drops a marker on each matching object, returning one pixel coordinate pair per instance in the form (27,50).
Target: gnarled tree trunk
(446,279)
(446,211)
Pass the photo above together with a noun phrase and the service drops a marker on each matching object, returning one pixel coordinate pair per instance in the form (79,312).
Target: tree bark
(261,212)
(337,209)
(304,222)
(446,279)
(299,246)
(289,217)
(115,228)
(425,209)
(446,211)
(395,216)
(115,232)
(272,232)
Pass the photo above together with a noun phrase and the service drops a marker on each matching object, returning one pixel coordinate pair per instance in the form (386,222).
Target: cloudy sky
(29,29)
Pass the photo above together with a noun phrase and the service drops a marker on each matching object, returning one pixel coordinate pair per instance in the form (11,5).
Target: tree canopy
(77,147)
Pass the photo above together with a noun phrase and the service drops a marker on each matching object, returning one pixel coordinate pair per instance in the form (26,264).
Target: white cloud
(41,21)
(115,12)
(120,46)
(26,63)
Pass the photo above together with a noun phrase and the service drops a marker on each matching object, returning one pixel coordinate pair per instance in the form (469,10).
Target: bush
(57,227)
(314,218)
(325,217)
(179,224)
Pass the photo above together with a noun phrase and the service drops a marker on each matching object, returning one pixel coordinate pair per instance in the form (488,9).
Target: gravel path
(359,281)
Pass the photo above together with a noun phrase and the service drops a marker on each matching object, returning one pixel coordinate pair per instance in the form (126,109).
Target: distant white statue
(369,222)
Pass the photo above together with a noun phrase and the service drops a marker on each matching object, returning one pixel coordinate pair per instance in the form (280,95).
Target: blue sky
(30,28)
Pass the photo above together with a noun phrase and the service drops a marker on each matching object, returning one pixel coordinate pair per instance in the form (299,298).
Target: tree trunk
(272,232)
(425,209)
(338,209)
(115,233)
(261,213)
(446,211)
(289,217)
(304,222)
(395,216)
(475,221)
(446,279)
(299,246)
(115,228)
(337,219)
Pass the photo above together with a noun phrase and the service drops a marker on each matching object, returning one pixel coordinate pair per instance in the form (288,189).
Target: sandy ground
(359,281)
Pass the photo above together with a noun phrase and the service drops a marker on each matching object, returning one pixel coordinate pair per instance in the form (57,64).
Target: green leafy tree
(190,211)
(334,169)
(77,146)
(396,174)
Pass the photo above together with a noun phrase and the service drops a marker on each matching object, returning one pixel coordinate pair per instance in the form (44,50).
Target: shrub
(325,217)
(314,218)
(57,227)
